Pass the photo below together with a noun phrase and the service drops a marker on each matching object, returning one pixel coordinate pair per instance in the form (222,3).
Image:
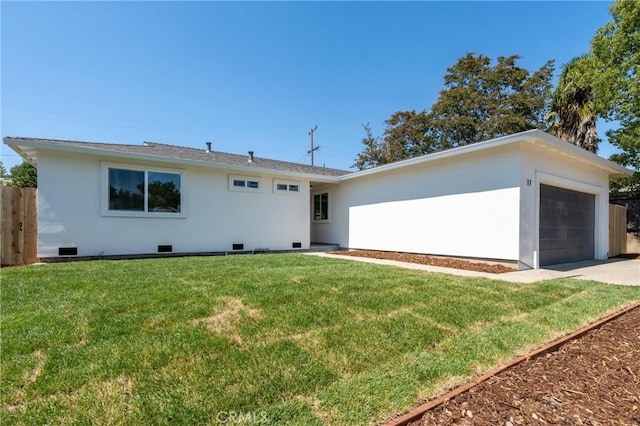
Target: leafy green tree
(479,102)
(482,102)
(3,171)
(615,59)
(24,175)
(372,154)
(573,117)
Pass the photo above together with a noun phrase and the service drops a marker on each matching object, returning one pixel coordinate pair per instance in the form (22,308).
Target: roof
(534,137)
(28,147)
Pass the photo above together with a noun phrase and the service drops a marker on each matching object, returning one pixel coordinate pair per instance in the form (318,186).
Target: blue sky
(257,76)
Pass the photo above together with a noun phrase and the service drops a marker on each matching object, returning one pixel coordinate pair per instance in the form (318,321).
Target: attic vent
(238,246)
(165,248)
(208,146)
(251,156)
(296,245)
(67,251)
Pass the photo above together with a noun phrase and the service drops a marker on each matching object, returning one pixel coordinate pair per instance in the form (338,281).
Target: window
(242,183)
(138,191)
(126,190)
(286,187)
(164,192)
(321,206)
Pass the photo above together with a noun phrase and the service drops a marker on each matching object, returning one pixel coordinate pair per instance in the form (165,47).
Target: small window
(321,206)
(286,187)
(244,183)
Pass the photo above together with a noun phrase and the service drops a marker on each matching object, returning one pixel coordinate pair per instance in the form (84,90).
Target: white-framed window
(135,191)
(244,183)
(321,206)
(286,187)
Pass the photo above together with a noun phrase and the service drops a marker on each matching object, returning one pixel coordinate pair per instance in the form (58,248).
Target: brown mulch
(592,380)
(423,259)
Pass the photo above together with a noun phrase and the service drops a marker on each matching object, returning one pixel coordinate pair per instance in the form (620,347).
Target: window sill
(145,215)
(319,221)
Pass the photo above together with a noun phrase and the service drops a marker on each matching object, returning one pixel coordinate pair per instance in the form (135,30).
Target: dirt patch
(592,380)
(423,259)
(225,320)
(17,400)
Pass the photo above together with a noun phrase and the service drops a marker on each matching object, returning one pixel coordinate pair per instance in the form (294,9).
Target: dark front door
(567,222)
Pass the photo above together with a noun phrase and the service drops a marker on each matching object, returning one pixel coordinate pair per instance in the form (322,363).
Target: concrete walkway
(612,271)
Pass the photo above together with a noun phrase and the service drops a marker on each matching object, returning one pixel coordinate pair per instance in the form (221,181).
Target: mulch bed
(429,260)
(592,380)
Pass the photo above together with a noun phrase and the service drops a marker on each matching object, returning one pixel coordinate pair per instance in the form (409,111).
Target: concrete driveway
(613,271)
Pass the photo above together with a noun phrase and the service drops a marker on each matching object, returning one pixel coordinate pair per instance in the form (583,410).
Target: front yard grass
(273,339)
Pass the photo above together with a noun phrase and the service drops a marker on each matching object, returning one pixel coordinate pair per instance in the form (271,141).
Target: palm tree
(572,117)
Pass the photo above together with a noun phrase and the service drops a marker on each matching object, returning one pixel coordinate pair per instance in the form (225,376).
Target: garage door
(567,221)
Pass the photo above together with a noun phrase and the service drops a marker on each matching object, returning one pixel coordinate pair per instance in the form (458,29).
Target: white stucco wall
(543,166)
(467,205)
(215,216)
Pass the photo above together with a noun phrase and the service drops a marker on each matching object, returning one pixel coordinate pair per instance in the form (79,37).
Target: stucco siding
(70,212)
(463,206)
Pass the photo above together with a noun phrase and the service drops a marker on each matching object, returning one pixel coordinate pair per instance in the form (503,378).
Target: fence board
(31,226)
(7,229)
(19,226)
(617,230)
(17,219)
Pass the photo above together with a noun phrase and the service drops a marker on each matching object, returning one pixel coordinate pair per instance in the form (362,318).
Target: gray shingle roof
(185,153)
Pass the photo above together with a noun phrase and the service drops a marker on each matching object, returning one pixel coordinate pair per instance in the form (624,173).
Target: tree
(572,117)
(482,102)
(615,55)
(3,171)
(24,175)
(479,102)
(372,154)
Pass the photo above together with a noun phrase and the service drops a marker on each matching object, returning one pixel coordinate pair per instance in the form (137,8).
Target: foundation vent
(165,248)
(67,251)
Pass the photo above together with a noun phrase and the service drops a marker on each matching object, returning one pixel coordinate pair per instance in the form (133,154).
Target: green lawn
(270,338)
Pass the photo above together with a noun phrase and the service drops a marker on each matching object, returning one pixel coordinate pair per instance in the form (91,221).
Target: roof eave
(21,147)
(530,136)
(580,154)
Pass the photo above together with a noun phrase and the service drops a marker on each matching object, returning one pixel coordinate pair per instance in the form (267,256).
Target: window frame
(106,211)
(313,206)
(289,184)
(246,187)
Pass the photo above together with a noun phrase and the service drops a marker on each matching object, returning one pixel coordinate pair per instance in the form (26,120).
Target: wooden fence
(617,230)
(19,225)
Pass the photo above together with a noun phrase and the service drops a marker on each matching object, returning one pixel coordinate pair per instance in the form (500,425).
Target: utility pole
(313,148)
